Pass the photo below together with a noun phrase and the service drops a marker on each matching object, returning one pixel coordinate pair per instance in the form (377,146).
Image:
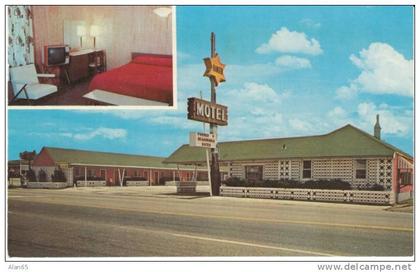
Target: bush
(58,176)
(42,176)
(333,184)
(30,175)
(13,174)
(330,184)
(376,187)
(235,182)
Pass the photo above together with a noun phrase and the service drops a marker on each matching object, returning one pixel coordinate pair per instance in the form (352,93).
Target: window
(307,172)
(254,172)
(135,173)
(77,171)
(406,178)
(360,169)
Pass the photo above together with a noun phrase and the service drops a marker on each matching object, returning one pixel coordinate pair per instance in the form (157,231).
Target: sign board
(199,139)
(214,69)
(205,111)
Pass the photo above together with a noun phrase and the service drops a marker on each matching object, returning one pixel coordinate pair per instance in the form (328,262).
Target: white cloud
(107,133)
(300,125)
(286,41)
(253,93)
(392,121)
(309,23)
(253,111)
(346,92)
(337,113)
(383,71)
(293,62)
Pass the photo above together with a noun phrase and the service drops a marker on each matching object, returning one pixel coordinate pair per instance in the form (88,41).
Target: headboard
(136,54)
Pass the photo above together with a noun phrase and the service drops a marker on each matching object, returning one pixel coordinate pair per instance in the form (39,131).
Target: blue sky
(290,71)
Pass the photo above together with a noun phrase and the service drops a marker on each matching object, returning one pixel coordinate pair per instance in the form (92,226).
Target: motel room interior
(90,55)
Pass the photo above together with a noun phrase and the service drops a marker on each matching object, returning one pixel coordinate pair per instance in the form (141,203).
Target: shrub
(13,174)
(376,187)
(30,175)
(333,184)
(58,176)
(42,176)
(289,183)
(235,182)
(330,184)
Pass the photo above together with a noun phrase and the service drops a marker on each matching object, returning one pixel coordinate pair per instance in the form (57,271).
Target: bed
(145,81)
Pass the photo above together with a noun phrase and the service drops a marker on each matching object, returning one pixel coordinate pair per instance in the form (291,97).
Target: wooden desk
(85,62)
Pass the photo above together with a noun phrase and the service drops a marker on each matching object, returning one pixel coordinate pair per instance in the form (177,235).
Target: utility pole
(215,171)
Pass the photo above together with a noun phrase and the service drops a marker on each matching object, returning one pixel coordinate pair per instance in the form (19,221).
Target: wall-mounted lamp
(94,32)
(163,11)
(81,31)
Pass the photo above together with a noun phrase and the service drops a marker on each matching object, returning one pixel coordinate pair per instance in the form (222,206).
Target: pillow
(153,60)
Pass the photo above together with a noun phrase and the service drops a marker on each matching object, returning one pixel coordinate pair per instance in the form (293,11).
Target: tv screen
(56,55)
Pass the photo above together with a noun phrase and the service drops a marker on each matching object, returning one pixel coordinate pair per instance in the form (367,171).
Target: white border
(126,264)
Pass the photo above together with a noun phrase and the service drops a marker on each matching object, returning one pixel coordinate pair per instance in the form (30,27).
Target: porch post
(85,176)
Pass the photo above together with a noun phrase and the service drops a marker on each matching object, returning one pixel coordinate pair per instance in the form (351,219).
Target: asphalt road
(153,221)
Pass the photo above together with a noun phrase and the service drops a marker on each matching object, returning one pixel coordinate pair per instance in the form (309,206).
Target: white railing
(346,196)
(91,183)
(137,183)
(186,186)
(47,185)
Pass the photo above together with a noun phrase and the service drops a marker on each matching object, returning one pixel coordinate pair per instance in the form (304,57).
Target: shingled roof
(84,157)
(347,141)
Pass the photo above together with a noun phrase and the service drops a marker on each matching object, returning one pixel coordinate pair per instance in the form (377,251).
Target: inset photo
(90,56)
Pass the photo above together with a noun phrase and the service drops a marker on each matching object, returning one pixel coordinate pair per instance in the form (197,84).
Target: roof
(347,141)
(13,162)
(84,157)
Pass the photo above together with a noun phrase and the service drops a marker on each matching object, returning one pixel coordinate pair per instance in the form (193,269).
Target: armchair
(25,83)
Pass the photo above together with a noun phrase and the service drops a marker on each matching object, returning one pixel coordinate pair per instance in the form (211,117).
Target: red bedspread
(142,80)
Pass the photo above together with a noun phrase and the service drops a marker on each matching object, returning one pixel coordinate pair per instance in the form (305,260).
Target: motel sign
(205,111)
(214,69)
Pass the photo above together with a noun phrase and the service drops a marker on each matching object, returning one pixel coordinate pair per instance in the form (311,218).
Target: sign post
(212,113)
(215,171)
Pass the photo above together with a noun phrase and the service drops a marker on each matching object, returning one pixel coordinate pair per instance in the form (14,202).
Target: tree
(58,175)
(42,176)
(28,156)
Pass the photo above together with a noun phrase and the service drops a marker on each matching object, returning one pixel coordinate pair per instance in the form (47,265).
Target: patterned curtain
(21,42)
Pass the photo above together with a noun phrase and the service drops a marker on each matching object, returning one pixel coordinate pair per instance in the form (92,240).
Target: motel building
(348,154)
(113,168)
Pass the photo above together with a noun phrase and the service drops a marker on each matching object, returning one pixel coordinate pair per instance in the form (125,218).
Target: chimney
(377,128)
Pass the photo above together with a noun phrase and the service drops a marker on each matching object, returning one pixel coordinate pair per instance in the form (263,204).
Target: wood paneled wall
(126,29)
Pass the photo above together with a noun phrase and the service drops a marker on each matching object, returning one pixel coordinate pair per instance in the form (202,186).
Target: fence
(47,185)
(15,182)
(346,196)
(91,183)
(137,183)
(186,187)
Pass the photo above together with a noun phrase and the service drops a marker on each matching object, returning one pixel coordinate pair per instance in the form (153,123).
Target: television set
(55,55)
